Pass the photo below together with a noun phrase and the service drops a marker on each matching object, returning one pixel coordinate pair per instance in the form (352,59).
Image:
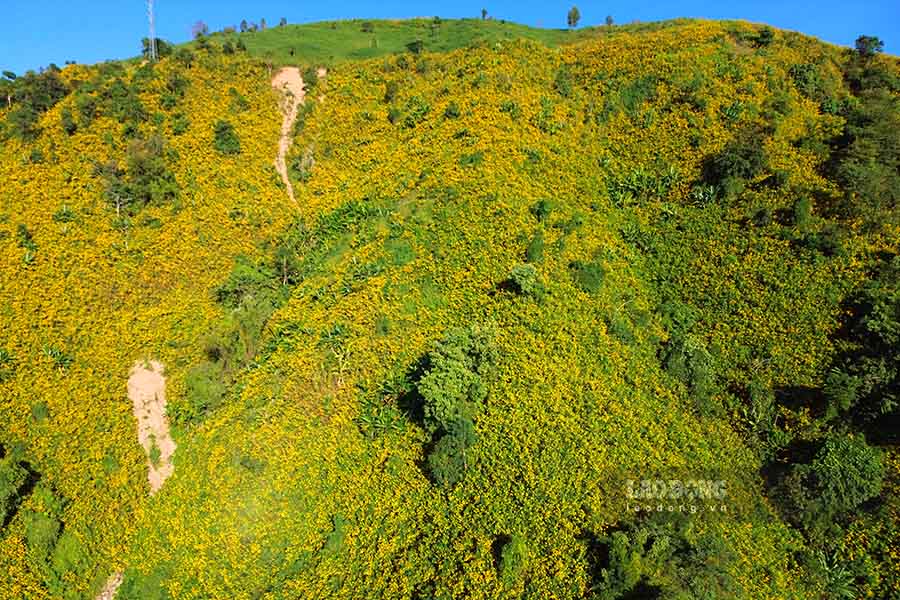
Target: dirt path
(112,586)
(290,83)
(147,390)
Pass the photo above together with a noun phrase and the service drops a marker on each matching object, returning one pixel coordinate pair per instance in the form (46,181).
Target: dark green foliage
(7,365)
(452,389)
(416,109)
(123,103)
(24,238)
(225,138)
(664,557)
(563,81)
(391,88)
(68,121)
(416,46)
(32,95)
(526,280)
(453,385)
(237,102)
(688,360)
(535,251)
(310,77)
(866,163)
(163,48)
(251,294)
(844,473)
(588,276)
(511,108)
(147,179)
(866,381)
(513,560)
(868,46)
(42,523)
(542,209)
(246,282)
(13,477)
(452,111)
(742,159)
(636,92)
(86,105)
(180,124)
(765,37)
(471,160)
(447,461)
(64,215)
(205,387)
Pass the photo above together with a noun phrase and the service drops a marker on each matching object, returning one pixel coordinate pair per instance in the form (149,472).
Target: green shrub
(588,276)
(562,83)
(526,281)
(535,250)
(666,557)
(416,46)
(542,209)
(513,560)
(416,110)
(42,524)
(447,461)
(742,159)
(471,160)
(452,111)
(13,477)
(511,108)
(310,77)
(205,388)
(180,124)
(225,138)
(391,88)
(844,473)
(68,121)
(688,360)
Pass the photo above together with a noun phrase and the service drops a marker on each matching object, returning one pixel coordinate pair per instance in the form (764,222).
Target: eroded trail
(290,83)
(147,391)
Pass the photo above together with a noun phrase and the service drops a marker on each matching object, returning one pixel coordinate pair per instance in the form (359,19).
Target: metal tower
(152,42)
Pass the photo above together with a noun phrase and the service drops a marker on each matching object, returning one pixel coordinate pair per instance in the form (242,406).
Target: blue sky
(38,32)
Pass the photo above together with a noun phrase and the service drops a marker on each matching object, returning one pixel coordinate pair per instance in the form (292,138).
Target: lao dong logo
(676,495)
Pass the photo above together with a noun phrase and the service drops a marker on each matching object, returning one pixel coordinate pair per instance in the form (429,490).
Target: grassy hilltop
(524,267)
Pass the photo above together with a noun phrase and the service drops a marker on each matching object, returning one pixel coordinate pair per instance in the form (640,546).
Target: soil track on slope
(147,391)
(290,83)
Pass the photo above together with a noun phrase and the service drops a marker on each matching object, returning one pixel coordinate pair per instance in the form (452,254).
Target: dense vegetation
(520,277)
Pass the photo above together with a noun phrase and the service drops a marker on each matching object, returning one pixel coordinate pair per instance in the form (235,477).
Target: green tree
(868,46)
(609,21)
(225,138)
(573,17)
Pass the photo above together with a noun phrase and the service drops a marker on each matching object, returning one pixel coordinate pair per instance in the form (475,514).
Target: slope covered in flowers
(615,307)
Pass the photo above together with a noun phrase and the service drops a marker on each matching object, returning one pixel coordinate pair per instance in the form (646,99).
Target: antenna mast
(152,45)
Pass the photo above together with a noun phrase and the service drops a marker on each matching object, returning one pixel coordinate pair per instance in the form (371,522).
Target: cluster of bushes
(225,138)
(30,96)
(664,557)
(14,477)
(250,295)
(146,178)
(53,552)
(452,389)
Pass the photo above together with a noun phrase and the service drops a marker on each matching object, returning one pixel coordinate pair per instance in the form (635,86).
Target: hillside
(523,269)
